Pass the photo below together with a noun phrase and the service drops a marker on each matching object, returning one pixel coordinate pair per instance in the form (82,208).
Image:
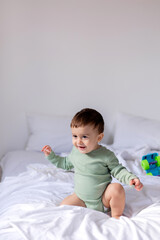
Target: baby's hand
(47,150)
(137,183)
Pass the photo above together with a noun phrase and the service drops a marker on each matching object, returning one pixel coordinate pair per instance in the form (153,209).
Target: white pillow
(15,162)
(132,131)
(49,130)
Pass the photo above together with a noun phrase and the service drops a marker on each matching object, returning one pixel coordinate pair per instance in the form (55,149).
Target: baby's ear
(100,137)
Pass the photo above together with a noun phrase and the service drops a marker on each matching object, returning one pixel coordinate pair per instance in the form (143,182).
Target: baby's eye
(74,136)
(85,137)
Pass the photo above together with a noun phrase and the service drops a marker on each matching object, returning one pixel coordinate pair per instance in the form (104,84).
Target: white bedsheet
(29,207)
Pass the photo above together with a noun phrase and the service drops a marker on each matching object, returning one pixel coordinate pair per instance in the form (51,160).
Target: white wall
(59,56)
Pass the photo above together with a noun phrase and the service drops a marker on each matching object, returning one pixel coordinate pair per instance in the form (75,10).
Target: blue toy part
(151,164)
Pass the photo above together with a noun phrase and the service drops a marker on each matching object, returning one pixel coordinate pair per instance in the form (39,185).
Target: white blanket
(29,207)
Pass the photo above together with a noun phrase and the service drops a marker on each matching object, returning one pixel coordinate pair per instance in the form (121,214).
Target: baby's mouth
(81,147)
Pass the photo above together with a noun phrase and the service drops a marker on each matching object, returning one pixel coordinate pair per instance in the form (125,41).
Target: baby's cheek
(74,143)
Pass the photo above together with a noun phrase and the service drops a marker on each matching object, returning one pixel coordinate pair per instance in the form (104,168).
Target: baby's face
(86,138)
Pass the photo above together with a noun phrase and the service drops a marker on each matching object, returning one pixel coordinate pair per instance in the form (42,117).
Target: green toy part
(149,174)
(145,164)
(157,158)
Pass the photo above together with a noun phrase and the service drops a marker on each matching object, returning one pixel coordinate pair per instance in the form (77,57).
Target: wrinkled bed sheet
(29,206)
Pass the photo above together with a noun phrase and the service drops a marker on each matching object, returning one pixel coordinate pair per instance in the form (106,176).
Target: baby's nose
(79,140)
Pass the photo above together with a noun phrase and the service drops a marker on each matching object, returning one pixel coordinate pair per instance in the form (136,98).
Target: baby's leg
(114,197)
(73,200)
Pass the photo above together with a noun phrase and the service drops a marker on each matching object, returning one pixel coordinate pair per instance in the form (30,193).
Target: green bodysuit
(93,172)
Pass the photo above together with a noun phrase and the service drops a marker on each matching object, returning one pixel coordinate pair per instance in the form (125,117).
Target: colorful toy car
(151,164)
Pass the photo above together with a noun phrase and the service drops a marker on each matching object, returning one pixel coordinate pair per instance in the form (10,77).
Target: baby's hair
(88,116)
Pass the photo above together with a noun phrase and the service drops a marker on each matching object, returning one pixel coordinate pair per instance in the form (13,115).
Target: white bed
(32,188)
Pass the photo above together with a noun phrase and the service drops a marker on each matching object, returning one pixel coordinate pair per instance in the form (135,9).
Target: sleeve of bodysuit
(119,171)
(60,162)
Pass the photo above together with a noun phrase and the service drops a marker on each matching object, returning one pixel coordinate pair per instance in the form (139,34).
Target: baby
(94,166)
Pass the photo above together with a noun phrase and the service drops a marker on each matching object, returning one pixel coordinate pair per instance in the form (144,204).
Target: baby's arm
(137,183)
(47,150)
(60,162)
